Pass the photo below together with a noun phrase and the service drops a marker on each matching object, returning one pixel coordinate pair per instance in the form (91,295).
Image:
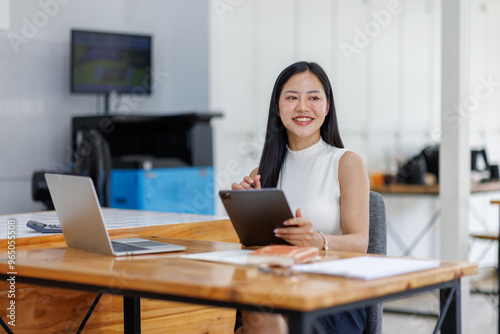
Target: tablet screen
(256,213)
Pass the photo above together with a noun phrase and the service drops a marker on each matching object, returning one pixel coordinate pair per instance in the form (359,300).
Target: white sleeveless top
(310,181)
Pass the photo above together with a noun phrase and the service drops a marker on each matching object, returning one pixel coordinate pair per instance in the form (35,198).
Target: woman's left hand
(299,231)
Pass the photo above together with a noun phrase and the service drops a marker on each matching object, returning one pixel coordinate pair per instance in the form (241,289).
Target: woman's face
(303,107)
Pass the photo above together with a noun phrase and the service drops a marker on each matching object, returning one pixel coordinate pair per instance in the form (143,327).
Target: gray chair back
(377,244)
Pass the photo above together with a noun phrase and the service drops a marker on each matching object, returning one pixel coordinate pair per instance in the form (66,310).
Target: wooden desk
(166,277)
(39,308)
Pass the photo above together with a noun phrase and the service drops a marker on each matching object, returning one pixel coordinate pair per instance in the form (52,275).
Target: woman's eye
(291,98)
(314,98)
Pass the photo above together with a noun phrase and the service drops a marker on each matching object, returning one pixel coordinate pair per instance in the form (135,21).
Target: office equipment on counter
(423,168)
(143,162)
(158,162)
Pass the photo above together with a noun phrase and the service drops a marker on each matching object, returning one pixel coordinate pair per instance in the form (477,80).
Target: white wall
(387,90)
(35,103)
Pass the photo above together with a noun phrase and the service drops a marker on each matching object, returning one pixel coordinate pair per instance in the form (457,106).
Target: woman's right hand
(247,183)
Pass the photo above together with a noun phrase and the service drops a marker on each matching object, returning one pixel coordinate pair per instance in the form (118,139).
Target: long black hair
(275,150)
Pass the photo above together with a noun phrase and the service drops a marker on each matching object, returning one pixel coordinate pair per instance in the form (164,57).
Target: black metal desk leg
(131,315)
(299,323)
(4,325)
(89,313)
(451,309)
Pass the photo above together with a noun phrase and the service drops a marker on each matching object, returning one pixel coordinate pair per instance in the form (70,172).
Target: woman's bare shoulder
(350,159)
(351,166)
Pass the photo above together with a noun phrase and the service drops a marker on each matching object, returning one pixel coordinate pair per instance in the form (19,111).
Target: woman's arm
(354,205)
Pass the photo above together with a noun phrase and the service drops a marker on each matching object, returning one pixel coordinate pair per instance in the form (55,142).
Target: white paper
(367,267)
(238,256)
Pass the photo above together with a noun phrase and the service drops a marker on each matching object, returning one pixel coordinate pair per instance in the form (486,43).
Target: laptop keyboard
(121,247)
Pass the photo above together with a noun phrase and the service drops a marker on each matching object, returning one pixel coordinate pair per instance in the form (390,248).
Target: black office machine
(159,163)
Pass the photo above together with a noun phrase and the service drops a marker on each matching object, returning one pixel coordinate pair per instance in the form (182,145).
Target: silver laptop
(82,222)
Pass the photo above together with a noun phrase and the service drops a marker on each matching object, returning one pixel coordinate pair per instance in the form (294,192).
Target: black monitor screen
(105,62)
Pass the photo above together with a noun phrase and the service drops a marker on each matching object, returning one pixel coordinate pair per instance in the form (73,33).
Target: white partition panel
(352,52)
(416,57)
(316,33)
(384,65)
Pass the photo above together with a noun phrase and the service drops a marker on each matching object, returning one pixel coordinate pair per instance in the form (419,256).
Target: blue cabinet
(184,190)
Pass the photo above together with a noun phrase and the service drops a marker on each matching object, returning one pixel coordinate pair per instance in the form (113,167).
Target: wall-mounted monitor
(103,62)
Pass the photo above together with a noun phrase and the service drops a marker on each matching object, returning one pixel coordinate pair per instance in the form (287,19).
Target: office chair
(93,159)
(377,244)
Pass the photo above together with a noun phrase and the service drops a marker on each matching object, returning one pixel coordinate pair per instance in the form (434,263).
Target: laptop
(256,213)
(82,222)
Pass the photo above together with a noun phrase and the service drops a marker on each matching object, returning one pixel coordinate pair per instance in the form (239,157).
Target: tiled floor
(481,319)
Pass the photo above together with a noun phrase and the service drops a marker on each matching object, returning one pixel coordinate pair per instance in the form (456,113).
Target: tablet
(256,213)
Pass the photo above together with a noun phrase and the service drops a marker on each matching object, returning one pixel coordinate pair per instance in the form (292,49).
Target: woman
(324,183)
